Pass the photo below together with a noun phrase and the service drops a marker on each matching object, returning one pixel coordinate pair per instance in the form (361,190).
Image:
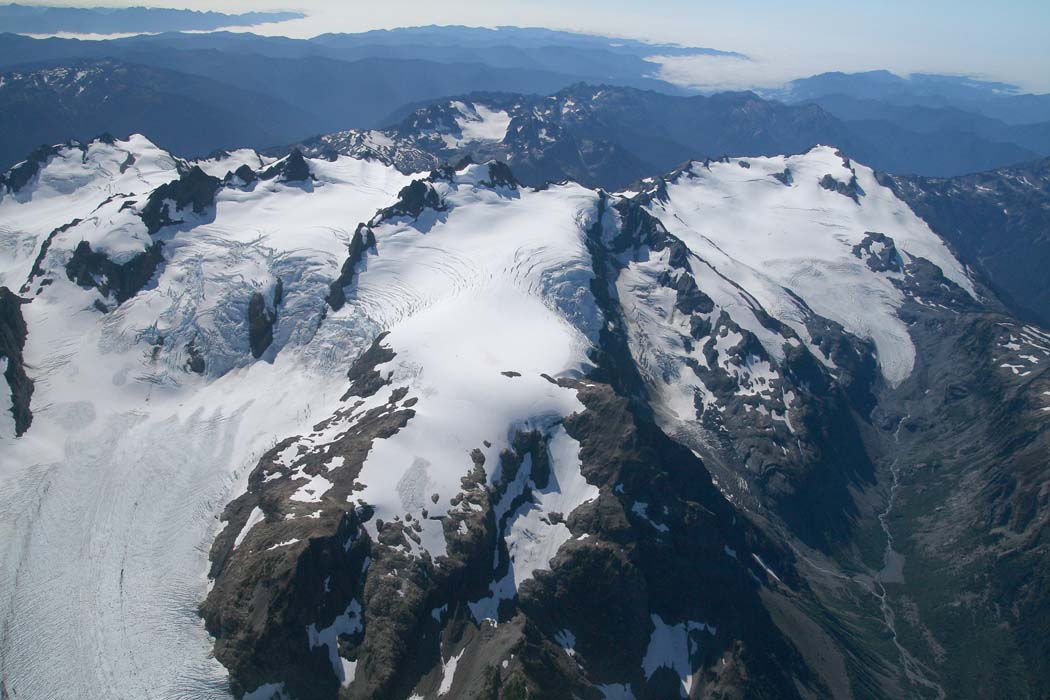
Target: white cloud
(718,73)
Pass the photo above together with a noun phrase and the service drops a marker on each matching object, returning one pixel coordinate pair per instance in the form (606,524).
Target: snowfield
(149,415)
(110,501)
(501,284)
(777,240)
(71,187)
(476,123)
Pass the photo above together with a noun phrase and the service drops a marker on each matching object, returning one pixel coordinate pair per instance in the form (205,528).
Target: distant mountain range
(599,136)
(578,57)
(260,101)
(610,136)
(32,19)
(617,138)
(312,87)
(189,113)
(954,125)
(234,90)
(997,100)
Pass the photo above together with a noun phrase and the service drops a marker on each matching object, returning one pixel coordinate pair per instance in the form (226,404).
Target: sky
(1007,40)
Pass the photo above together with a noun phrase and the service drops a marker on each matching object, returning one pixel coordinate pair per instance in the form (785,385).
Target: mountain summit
(444,434)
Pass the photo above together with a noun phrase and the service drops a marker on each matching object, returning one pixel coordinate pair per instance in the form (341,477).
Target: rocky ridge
(681,461)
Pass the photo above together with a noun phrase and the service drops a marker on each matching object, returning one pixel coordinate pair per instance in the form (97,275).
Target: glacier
(110,502)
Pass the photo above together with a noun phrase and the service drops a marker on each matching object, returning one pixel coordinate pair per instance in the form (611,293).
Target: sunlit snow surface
(772,239)
(109,503)
(499,283)
(71,187)
(477,123)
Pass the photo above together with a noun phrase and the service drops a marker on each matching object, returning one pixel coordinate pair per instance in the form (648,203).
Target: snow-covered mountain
(612,137)
(600,136)
(609,136)
(314,427)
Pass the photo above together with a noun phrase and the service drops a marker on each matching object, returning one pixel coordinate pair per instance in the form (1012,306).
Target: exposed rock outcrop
(94,270)
(294,168)
(13,334)
(195,190)
(362,241)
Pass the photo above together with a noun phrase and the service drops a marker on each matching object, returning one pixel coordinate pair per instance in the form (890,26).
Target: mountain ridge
(690,413)
(936,126)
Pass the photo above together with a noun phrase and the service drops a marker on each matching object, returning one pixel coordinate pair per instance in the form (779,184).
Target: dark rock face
(294,168)
(689,297)
(879,252)
(362,241)
(849,189)
(242,177)
(785,178)
(412,200)
(927,285)
(94,270)
(262,317)
(12,341)
(500,175)
(37,270)
(671,562)
(195,360)
(23,173)
(195,190)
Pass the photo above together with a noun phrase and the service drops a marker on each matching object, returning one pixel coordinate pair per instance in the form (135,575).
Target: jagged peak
(291,168)
(22,174)
(412,200)
(195,189)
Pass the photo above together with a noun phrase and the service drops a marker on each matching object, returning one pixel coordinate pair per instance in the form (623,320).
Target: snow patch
(254,518)
(448,673)
(800,238)
(477,123)
(348,623)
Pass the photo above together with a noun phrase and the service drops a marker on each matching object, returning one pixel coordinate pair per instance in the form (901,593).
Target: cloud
(716,73)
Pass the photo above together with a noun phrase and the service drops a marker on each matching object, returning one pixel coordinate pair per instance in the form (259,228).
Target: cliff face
(12,343)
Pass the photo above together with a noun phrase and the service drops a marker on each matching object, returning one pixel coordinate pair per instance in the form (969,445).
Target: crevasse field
(109,505)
